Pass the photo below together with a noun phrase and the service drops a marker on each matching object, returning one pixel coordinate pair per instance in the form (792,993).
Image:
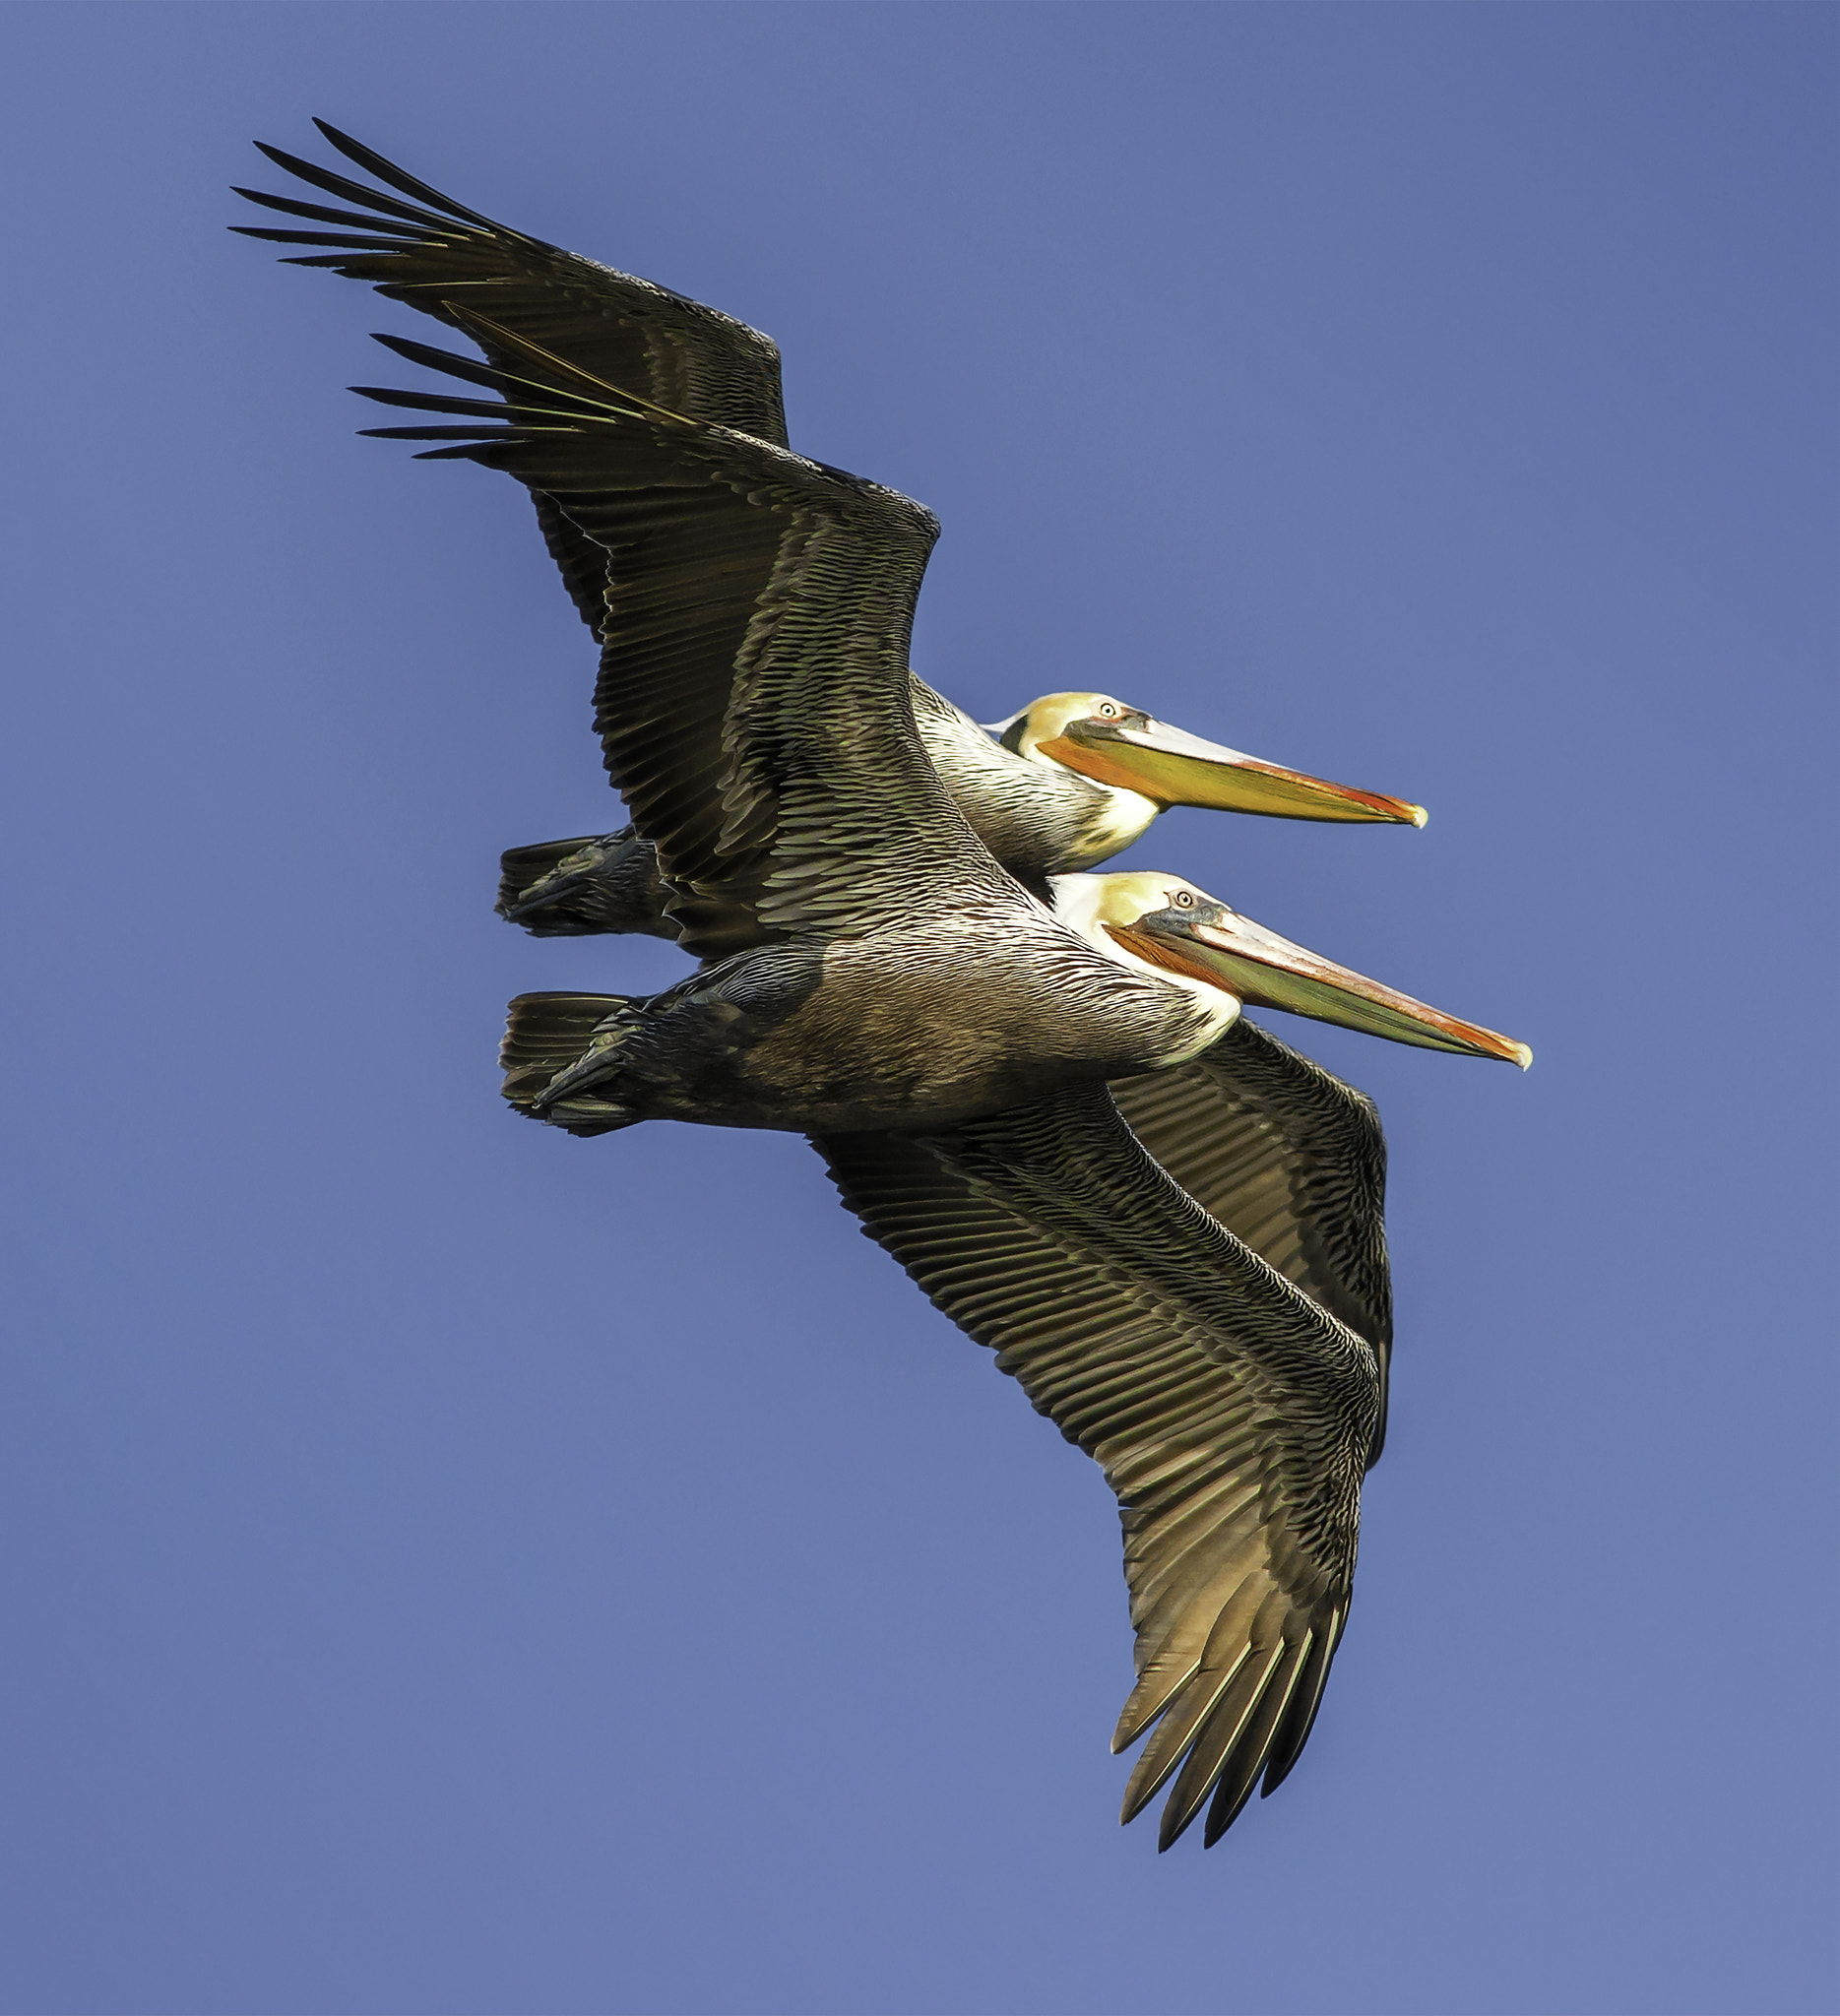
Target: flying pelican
(1069,781)
(1232,1413)
(876,980)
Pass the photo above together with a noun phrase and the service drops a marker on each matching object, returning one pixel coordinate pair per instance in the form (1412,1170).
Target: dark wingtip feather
(368,244)
(1293,1732)
(1250,1754)
(337,261)
(1218,1821)
(323,214)
(481,435)
(387,172)
(473,451)
(342,185)
(432,401)
(457,366)
(551,397)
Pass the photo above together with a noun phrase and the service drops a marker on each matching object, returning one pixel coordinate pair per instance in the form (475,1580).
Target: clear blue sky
(452,1568)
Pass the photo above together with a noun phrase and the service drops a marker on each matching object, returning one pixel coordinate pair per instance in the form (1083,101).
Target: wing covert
(1229,1414)
(1291,1160)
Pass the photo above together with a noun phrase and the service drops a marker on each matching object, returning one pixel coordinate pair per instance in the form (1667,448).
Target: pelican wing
(1291,1160)
(753,702)
(433,253)
(1230,1415)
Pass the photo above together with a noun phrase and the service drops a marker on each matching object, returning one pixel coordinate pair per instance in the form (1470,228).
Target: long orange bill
(1175,768)
(1232,952)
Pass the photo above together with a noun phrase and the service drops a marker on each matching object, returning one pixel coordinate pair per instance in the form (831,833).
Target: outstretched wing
(1289,1159)
(1231,1413)
(753,702)
(432,251)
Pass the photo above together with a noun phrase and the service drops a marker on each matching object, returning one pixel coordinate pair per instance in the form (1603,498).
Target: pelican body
(924,1024)
(1129,973)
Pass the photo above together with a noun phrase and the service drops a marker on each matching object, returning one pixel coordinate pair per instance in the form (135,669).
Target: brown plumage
(874,977)
(1229,1412)
(1067,796)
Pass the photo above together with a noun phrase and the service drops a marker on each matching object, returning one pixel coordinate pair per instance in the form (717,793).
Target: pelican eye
(1184,899)
(1108,712)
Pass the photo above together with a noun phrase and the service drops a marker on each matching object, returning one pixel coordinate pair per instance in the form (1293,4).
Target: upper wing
(753,702)
(1288,1158)
(1230,1415)
(644,339)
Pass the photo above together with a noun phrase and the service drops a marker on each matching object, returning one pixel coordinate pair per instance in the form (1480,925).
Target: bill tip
(1420,815)
(1523,1057)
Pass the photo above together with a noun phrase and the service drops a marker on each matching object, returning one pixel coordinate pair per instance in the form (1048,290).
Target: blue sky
(455,1569)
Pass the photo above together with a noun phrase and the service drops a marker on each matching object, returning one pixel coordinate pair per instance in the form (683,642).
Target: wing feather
(616,327)
(623,330)
(754,704)
(1230,1415)
(1291,1160)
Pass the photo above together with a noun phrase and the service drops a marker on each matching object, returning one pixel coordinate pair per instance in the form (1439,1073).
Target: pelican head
(1121,746)
(1169,926)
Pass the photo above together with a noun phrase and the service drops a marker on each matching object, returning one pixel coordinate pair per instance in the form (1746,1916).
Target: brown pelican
(1233,1414)
(1068,782)
(876,978)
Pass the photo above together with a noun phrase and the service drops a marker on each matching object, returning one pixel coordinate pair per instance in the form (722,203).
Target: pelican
(1060,785)
(876,978)
(1232,1410)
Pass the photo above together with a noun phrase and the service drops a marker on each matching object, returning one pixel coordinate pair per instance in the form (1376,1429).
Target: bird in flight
(1035,1086)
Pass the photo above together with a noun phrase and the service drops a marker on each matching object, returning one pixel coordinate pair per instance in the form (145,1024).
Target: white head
(1124,748)
(1163,925)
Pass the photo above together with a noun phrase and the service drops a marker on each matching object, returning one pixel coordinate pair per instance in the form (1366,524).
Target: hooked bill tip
(1523,1057)
(1419,815)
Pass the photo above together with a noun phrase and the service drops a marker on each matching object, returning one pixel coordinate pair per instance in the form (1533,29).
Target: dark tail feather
(544,1034)
(521,873)
(575,888)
